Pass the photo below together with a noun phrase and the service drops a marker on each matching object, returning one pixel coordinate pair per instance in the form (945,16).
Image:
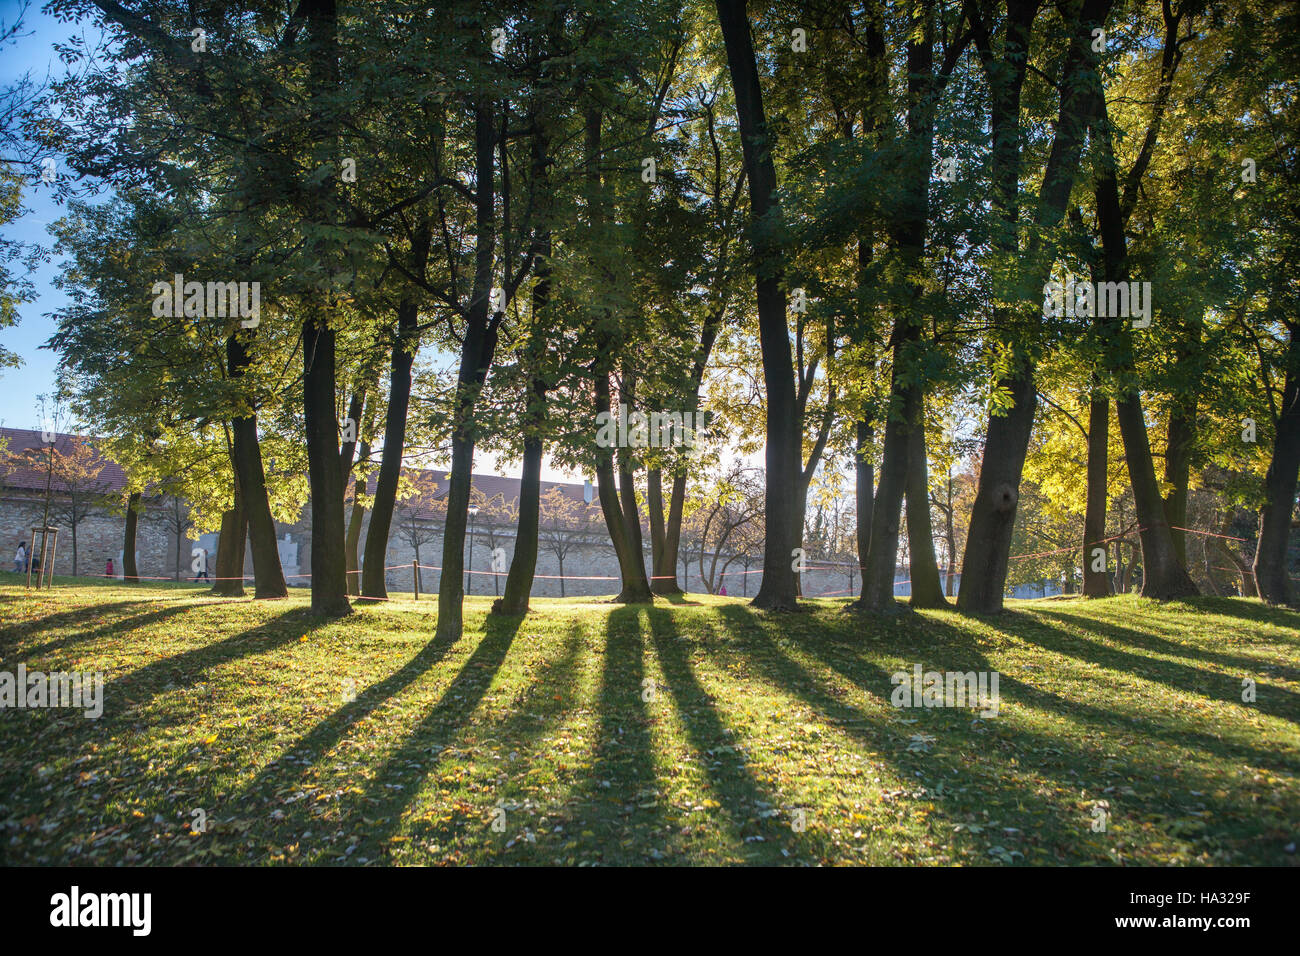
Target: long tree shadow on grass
(1004,759)
(126,696)
(617,814)
(759,819)
(1148,641)
(83,743)
(117,625)
(374,809)
(954,648)
(89,614)
(1249,609)
(1278,702)
(1103,720)
(536,709)
(295,760)
(956,777)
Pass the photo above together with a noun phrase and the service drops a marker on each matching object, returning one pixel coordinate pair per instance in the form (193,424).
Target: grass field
(694,732)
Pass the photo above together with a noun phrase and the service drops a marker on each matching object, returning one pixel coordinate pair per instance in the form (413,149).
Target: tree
(777,591)
(492,516)
(175,517)
(1024,248)
(421,502)
(724,511)
(566,524)
(77,489)
(1164,576)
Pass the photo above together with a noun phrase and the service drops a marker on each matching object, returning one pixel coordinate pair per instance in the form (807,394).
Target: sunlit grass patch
(686,733)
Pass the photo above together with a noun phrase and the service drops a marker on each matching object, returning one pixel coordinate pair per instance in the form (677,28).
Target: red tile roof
(20,468)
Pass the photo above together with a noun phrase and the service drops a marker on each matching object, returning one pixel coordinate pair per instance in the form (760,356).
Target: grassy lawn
(692,732)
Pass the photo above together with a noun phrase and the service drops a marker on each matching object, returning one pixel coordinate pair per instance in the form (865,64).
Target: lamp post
(470,567)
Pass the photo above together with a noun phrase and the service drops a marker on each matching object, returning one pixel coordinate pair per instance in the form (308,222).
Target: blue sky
(34,53)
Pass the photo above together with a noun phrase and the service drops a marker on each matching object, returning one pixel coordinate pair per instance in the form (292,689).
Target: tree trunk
(329,572)
(950,538)
(477,350)
(663,578)
(665,573)
(800,514)
(1182,435)
(903,466)
(451,586)
(1096,583)
(348,448)
(129,571)
(804,477)
(246,454)
(390,463)
(1280,491)
(320,383)
(654,504)
(329,578)
(230,551)
(627,486)
(1178,460)
(864,489)
(268,577)
(882,554)
(523,563)
(631,565)
(631,513)
(993,515)
(782,457)
(355,519)
(1164,576)
(927,589)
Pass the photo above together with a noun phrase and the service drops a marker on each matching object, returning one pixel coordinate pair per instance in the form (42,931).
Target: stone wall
(590,568)
(98,537)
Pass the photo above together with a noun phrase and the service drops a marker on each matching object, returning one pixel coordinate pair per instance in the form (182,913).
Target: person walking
(20,558)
